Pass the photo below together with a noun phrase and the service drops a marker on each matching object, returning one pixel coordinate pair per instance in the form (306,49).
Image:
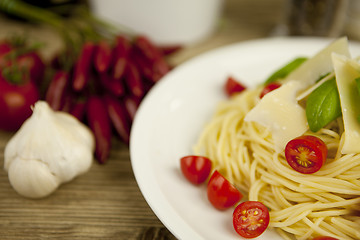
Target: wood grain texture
(106,203)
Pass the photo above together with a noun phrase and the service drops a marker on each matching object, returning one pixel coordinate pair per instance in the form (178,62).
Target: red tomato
(5,48)
(306,154)
(15,103)
(232,86)
(250,219)
(33,63)
(29,62)
(268,88)
(221,193)
(195,168)
(324,238)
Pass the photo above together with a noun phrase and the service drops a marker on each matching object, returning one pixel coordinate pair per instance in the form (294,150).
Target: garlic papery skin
(49,149)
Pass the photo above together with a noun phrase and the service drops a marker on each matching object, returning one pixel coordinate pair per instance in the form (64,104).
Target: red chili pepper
(55,94)
(150,51)
(133,80)
(147,85)
(150,59)
(83,66)
(102,56)
(55,62)
(143,64)
(99,123)
(69,102)
(160,68)
(131,105)
(118,117)
(114,86)
(78,110)
(120,56)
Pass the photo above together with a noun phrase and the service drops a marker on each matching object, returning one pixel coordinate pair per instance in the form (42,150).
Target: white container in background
(166,22)
(353,20)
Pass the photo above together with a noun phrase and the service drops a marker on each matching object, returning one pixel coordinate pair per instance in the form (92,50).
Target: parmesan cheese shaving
(280,112)
(346,73)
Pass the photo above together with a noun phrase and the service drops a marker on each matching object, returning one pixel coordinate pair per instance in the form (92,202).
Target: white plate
(171,118)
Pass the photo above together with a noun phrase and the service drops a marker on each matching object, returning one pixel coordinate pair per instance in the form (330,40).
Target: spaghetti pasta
(301,205)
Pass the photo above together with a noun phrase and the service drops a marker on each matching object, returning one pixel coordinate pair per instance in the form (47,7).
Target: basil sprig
(323,105)
(285,70)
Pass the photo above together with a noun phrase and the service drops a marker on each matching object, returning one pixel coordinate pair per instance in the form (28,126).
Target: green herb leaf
(357,80)
(323,105)
(285,70)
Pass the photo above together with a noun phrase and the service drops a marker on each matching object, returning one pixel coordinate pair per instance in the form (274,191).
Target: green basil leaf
(323,105)
(357,80)
(285,70)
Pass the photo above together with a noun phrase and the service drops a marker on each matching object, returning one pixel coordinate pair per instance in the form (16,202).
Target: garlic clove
(36,180)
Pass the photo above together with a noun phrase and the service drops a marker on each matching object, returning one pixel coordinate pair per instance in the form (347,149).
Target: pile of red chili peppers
(106,84)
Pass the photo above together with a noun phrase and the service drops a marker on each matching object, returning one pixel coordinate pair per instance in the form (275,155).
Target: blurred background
(200,25)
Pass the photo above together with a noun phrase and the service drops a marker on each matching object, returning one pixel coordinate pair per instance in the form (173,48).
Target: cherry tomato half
(250,219)
(306,154)
(324,238)
(232,86)
(221,193)
(195,168)
(268,88)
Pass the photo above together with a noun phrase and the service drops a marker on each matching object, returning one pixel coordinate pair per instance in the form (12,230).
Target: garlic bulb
(49,149)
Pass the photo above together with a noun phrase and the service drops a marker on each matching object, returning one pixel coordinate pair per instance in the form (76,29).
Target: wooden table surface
(106,203)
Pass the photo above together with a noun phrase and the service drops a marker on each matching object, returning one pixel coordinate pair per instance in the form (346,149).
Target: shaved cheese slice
(346,71)
(320,64)
(280,112)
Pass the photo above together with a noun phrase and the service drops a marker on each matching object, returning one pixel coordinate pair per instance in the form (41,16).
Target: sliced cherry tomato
(306,154)
(221,193)
(195,168)
(232,86)
(250,219)
(324,238)
(268,88)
